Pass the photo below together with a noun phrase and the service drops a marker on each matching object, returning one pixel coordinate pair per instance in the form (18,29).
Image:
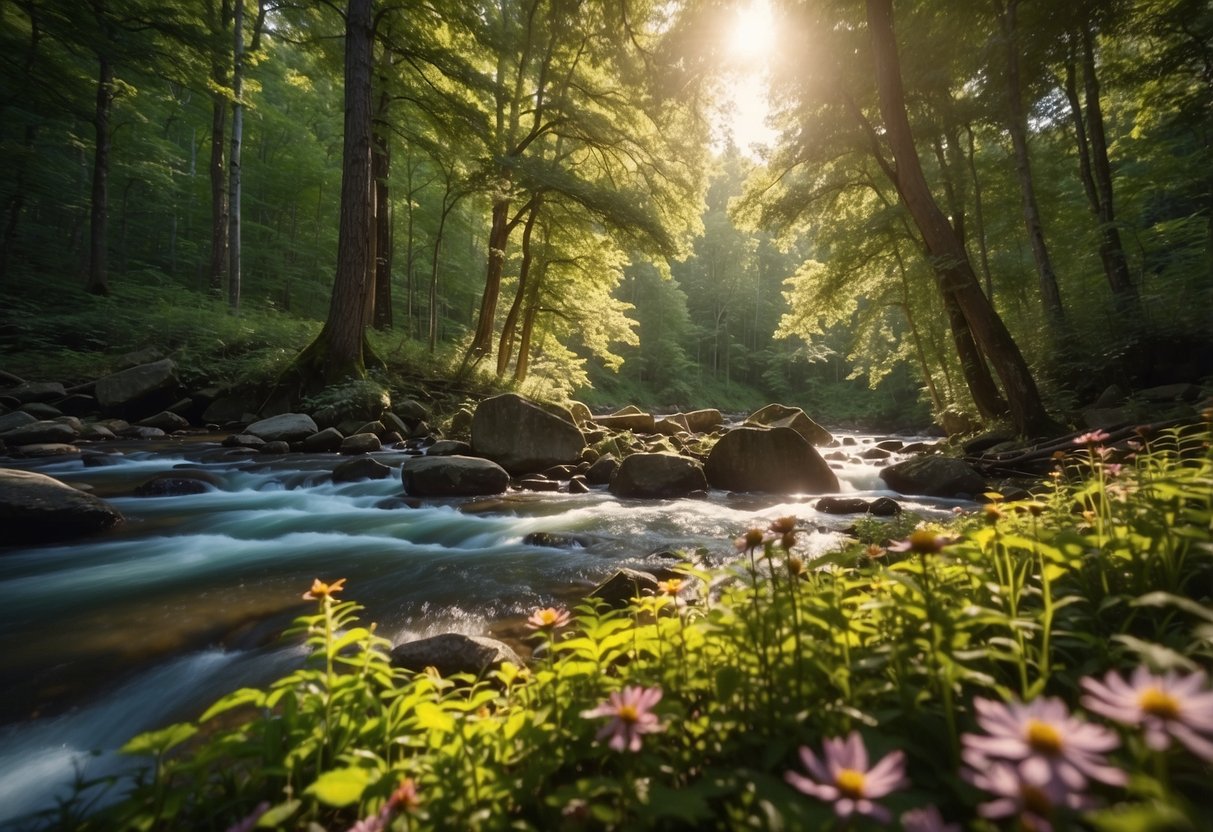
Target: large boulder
(40,432)
(619,589)
(636,422)
(363,468)
(16,419)
(285,427)
(703,421)
(657,476)
(37,391)
(782,416)
(36,508)
(934,476)
(775,460)
(452,476)
(451,653)
(144,389)
(522,437)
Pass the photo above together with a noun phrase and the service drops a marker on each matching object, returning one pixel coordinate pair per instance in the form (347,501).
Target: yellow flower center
(1043,738)
(628,713)
(547,616)
(1158,703)
(1035,801)
(850,783)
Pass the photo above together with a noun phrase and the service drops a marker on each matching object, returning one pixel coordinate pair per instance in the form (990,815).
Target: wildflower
(785,527)
(403,799)
(926,819)
(993,513)
(873,551)
(671,587)
(923,542)
(548,619)
(632,715)
(1034,804)
(750,541)
(1046,742)
(842,777)
(321,590)
(795,566)
(1165,707)
(1093,437)
(1113,469)
(247,823)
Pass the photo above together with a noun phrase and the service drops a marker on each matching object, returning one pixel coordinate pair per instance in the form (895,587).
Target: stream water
(108,636)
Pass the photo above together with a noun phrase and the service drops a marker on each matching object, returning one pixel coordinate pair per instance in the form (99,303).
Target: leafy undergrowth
(1035,665)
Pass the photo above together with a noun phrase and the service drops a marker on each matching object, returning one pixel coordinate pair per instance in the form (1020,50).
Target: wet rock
(243,440)
(461,424)
(452,653)
(453,476)
(36,508)
(44,449)
(560,472)
(775,460)
(884,507)
(137,432)
(41,410)
(177,483)
(323,442)
(38,433)
(890,445)
(782,416)
(287,427)
(657,476)
(536,482)
(842,505)
(411,411)
(361,469)
(97,459)
(145,388)
(522,437)
(166,420)
(37,391)
(278,447)
(449,447)
(619,589)
(934,476)
(393,423)
(14,420)
(361,443)
(635,422)
(601,472)
(555,540)
(577,485)
(875,454)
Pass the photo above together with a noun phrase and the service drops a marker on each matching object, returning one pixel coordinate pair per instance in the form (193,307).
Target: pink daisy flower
(631,712)
(1093,437)
(926,819)
(1034,804)
(548,619)
(1164,707)
(842,777)
(1044,741)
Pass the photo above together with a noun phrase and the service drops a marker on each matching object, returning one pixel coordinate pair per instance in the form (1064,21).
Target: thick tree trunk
(953,269)
(346,323)
(984,392)
(97,281)
(505,346)
(234,170)
(522,366)
(381,161)
(1017,126)
(499,235)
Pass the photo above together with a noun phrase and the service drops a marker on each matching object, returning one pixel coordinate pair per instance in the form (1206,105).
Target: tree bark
(216,168)
(346,323)
(97,282)
(953,270)
(505,346)
(979,217)
(381,162)
(234,171)
(1017,126)
(499,235)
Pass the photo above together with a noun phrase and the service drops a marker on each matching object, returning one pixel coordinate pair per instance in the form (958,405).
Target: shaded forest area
(991,210)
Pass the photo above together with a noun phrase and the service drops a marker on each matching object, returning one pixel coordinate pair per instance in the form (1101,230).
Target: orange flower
(670,587)
(321,590)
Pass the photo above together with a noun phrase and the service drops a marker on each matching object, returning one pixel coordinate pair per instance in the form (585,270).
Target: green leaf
(433,718)
(158,742)
(277,815)
(340,787)
(235,699)
(1166,599)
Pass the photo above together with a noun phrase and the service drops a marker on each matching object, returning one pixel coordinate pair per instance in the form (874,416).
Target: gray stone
(97,433)
(36,508)
(782,416)
(658,476)
(891,445)
(361,443)
(934,476)
(137,432)
(364,468)
(874,454)
(452,476)
(179,482)
(44,449)
(392,422)
(635,422)
(243,440)
(42,410)
(536,482)
(603,469)
(276,447)
(16,419)
(577,485)
(145,388)
(449,447)
(703,421)
(37,391)
(619,589)
(884,507)
(1112,395)
(166,420)
(325,441)
(580,413)
(412,412)
(224,410)
(376,427)
(35,433)
(773,460)
(286,427)
(842,505)
(78,404)
(452,653)
(523,437)
(672,425)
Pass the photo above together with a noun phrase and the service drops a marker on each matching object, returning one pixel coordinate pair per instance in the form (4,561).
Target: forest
(990,210)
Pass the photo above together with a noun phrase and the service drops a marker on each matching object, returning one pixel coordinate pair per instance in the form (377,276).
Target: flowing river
(108,636)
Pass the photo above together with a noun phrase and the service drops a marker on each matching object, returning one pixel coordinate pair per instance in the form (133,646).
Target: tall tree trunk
(979,217)
(953,270)
(522,366)
(381,162)
(984,392)
(499,235)
(99,212)
(1017,126)
(1111,252)
(505,346)
(219,219)
(234,171)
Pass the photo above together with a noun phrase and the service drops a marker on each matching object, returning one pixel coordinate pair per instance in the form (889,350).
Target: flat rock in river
(36,508)
(452,476)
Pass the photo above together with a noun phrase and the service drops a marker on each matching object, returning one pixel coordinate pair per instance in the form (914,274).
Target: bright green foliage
(777,651)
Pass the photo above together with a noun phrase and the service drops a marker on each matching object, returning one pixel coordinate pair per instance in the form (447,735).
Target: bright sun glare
(750,38)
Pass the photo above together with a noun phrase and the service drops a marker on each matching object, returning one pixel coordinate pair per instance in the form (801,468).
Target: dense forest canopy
(986,209)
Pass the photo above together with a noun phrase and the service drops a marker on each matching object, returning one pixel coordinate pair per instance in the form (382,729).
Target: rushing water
(108,636)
